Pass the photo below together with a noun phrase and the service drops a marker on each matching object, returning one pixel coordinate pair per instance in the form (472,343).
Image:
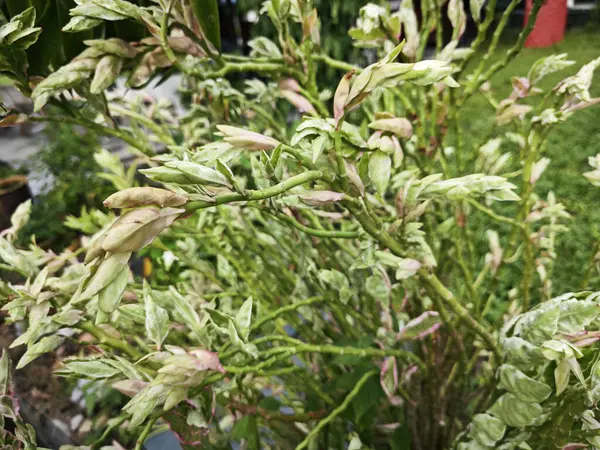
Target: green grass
(569,147)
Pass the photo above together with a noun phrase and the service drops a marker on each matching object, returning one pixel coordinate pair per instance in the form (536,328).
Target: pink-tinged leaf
(340,97)
(300,102)
(587,342)
(207,360)
(130,387)
(354,177)
(289,84)
(521,87)
(574,446)
(424,325)
(320,198)
(388,379)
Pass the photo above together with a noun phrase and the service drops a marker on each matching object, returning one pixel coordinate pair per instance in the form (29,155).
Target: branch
(106,339)
(233,67)
(262,194)
(448,297)
(337,411)
(283,310)
(336,64)
(495,216)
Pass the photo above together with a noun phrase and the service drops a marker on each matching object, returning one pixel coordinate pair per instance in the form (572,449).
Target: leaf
(39,282)
(207,14)
(110,297)
(95,369)
(407,268)
(243,319)
(157,319)
(380,166)
(108,270)
(475,8)
(107,71)
(422,326)
(247,429)
(300,102)
(562,373)
(130,387)
(176,396)
(199,174)
(521,386)
(321,198)
(144,196)
(45,345)
(5,372)
(138,227)
(341,94)
(189,315)
(576,315)
(78,24)
(514,412)
(487,430)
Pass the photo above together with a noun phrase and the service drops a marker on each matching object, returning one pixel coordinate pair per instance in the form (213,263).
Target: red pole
(550,25)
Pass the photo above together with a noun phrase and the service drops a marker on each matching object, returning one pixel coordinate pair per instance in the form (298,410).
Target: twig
(337,411)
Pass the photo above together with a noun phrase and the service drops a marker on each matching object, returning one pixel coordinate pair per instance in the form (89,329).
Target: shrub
(320,283)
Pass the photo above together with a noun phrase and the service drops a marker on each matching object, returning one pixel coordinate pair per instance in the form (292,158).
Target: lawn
(568,147)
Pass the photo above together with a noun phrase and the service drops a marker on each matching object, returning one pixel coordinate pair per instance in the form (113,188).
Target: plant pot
(13,191)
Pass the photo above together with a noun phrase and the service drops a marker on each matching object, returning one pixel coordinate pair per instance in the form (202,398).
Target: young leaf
(243,319)
(157,319)
(380,166)
(45,345)
(207,14)
(521,386)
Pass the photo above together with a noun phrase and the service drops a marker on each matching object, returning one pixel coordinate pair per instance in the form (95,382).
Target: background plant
(319,284)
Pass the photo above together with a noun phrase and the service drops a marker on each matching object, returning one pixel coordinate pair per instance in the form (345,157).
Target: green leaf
(207,14)
(110,297)
(95,369)
(157,319)
(487,430)
(243,319)
(521,386)
(107,71)
(5,367)
(199,174)
(514,412)
(189,315)
(247,429)
(380,166)
(562,373)
(108,270)
(45,345)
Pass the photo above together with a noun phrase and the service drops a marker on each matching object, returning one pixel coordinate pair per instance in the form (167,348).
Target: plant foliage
(314,284)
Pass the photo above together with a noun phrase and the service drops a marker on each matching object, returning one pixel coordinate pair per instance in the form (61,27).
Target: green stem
(314,232)
(300,347)
(461,312)
(107,432)
(284,310)
(164,135)
(590,265)
(337,411)
(512,52)
(106,339)
(339,157)
(236,67)
(495,216)
(139,444)
(101,129)
(336,64)
(261,194)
